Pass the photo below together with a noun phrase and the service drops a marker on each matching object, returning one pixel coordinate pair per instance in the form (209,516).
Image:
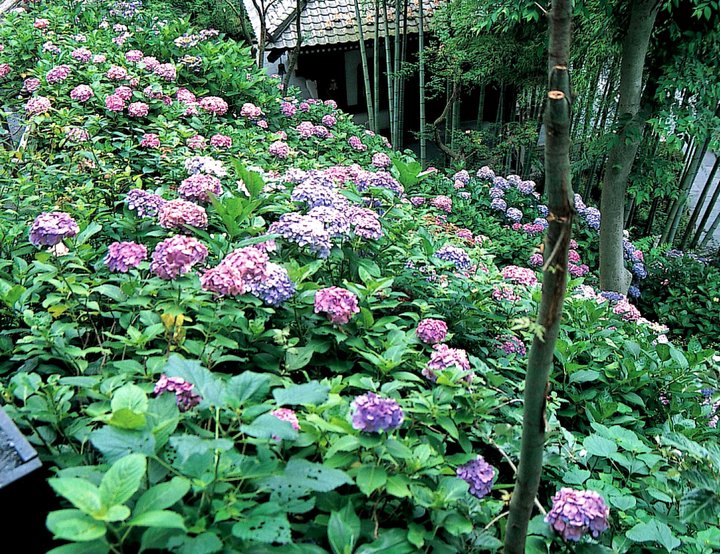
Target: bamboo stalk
(396,75)
(389,73)
(366,71)
(698,207)
(711,204)
(421,43)
(376,66)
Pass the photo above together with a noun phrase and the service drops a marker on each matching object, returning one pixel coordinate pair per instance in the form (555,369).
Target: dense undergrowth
(209,387)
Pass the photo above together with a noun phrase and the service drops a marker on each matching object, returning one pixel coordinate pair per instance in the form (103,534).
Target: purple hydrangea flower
(496,192)
(196,187)
(279,149)
(454,254)
(381,179)
(373,413)
(479,475)
(144,203)
(176,256)
(592,218)
(485,173)
(431,331)
(536,260)
(337,303)
(303,230)
(365,223)
(185,397)
(81,93)
(357,144)
(174,214)
(314,194)
(575,513)
(336,222)
(498,204)
(580,206)
(329,120)
(543,210)
(50,228)
(276,288)
(510,344)
(501,183)
(638,269)
(633,292)
(526,187)
(123,256)
(463,176)
(381,160)
(612,297)
(513,214)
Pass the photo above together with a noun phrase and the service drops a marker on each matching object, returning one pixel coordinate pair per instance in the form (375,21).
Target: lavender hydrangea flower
(444,357)
(501,183)
(176,256)
(431,331)
(373,413)
(303,230)
(314,194)
(479,475)
(365,223)
(276,288)
(144,203)
(526,187)
(123,256)
(336,222)
(338,304)
(463,176)
(223,280)
(454,254)
(185,397)
(381,160)
(380,179)
(496,192)
(580,206)
(196,187)
(513,214)
(50,228)
(575,513)
(485,173)
(543,210)
(592,218)
(498,204)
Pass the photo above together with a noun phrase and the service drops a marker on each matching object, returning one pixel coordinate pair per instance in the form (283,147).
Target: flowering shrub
(226,393)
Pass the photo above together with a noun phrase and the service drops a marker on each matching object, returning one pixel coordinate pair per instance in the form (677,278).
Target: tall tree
(421,54)
(366,70)
(613,275)
(557,241)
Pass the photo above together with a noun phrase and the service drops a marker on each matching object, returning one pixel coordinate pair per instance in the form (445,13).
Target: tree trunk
(699,206)
(376,67)
(481,107)
(711,205)
(366,71)
(389,73)
(296,51)
(613,275)
(396,75)
(421,43)
(401,98)
(679,206)
(557,241)
(710,233)
(606,98)
(651,215)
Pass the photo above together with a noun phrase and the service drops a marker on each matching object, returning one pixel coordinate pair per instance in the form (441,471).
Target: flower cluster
(431,331)
(220,141)
(214,105)
(373,413)
(82,93)
(381,160)
(50,228)
(150,140)
(174,214)
(58,74)
(479,475)
(37,105)
(444,357)
(197,186)
(286,414)
(454,254)
(275,288)
(279,149)
(144,203)
(176,256)
(185,397)
(510,344)
(124,256)
(223,280)
(575,513)
(443,203)
(303,230)
(338,304)
(520,275)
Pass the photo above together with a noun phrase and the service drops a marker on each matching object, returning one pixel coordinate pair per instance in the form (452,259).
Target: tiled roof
(330,21)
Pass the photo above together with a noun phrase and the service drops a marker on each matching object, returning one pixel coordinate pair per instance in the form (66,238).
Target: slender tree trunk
(501,108)
(296,51)
(711,205)
(481,107)
(613,275)
(699,206)
(607,98)
(560,201)
(679,206)
(366,71)
(376,66)
(651,215)
(711,231)
(389,72)
(401,98)
(262,14)
(396,75)
(421,46)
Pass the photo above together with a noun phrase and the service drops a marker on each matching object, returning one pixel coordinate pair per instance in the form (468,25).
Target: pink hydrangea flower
(520,275)
(221,141)
(114,103)
(123,256)
(116,73)
(38,105)
(31,84)
(58,74)
(338,304)
(124,92)
(214,104)
(279,149)
(81,54)
(444,357)
(133,55)
(286,414)
(443,203)
(176,256)
(82,93)
(138,109)
(431,331)
(150,140)
(175,214)
(196,187)
(223,280)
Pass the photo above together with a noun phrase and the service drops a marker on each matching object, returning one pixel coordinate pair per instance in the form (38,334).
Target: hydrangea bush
(235,321)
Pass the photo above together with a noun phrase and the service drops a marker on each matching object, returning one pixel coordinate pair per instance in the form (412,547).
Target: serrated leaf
(370,478)
(267,426)
(73,525)
(122,479)
(162,496)
(130,397)
(93,547)
(206,383)
(248,386)
(599,446)
(699,506)
(654,531)
(81,493)
(343,530)
(158,518)
(265,529)
(115,443)
(312,393)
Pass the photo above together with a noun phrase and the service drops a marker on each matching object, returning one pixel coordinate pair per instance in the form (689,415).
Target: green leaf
(370,478)
(312,393)
(123,479)
(81,493)
(390,540)
(457,525)
(343,530)
(576,476)
(248,386)
(584,376)
(263,528)
(452,489)
(206,383)
(298,357)
(124,418)
(158,518)
(111,291)
(119,512)
(397,485)
(162,496)
(346,443)
(73,525)
(599,446)
(699,506)
(267,426)
(115,443)
(130,397)
(96,547)
(654,531)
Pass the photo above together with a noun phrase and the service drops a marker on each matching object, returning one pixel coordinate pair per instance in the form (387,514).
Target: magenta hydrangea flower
(575,513)
(381,160)
(37,105)
(196,187)
(286,414)
(536,260)
(114,103)
(510,344)
(31,84)
(124,256)
(124,92)
(444,357)
(357,144)
(138,109)
(174,214)
(338,304)
(221,141)
(133,55)
(185,397)
(50,228)
(214,104)
(431,331)
(250,262)
(279,149)
(82,93)
(117,73)
(443,203)
(196,142)
(479,475)
(251,111)
(166,71)
(373,413)
(223,280)
(58,74)
(520,275)
(176,256)
(329,120)
(5,70)
(150,140)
